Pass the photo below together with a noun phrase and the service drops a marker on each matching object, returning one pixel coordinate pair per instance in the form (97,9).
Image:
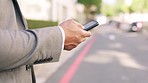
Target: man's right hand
(74,34)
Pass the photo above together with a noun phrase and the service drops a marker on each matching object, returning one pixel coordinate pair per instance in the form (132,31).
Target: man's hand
(74,34)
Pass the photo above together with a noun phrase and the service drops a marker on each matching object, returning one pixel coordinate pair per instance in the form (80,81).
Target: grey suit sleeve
(23,47)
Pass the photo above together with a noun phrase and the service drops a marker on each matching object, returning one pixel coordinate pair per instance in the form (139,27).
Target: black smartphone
(90,25)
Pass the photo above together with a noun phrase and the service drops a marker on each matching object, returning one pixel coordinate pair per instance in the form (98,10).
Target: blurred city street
(109,56)
(48,41)
(115,53)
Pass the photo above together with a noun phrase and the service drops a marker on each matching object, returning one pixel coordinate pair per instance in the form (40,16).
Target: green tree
(91,7)
(139,6)
(108,10)
(121,7)
(114,9)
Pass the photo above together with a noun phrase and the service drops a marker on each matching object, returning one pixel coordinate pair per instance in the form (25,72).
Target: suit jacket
(21,47)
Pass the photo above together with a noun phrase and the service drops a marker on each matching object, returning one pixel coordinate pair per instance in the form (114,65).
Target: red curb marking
(73,68)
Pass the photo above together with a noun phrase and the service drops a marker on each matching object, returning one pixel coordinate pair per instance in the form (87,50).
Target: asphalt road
(109,56)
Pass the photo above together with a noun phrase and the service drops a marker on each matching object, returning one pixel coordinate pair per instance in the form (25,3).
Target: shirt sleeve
(63,35)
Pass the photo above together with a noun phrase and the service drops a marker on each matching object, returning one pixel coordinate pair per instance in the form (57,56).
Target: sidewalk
(44,71)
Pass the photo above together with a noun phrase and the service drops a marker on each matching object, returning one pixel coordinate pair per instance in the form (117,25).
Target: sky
(109,1)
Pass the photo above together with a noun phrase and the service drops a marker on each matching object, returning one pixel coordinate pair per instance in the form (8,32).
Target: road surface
(109,56)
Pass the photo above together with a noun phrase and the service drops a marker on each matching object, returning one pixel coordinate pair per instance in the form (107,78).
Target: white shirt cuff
(63,35)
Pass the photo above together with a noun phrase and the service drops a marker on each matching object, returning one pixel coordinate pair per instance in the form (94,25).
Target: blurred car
(136,27)
(115,23)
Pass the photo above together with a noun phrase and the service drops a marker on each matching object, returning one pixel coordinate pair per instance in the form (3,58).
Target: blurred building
(53,10)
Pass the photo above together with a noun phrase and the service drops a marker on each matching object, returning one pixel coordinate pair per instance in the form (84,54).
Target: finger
(77,24)
(83,39)
(86,33)
(83,27)
(70,47)
(80,26)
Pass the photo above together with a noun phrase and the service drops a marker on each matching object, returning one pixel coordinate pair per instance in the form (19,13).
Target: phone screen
(90,25)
